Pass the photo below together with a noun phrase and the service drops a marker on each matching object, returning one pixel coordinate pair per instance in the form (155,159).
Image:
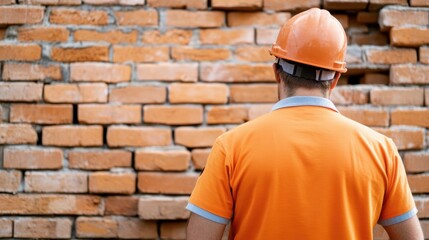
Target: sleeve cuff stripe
(399,218)
(205,214)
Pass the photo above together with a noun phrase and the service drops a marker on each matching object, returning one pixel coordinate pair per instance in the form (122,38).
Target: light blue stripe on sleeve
(205,214)
(399,218)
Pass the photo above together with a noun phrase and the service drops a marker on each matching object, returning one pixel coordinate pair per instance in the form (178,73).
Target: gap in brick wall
(354,79)
(75,112)
(105,135)
(39,137)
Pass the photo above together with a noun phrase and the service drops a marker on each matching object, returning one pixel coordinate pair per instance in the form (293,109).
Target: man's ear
(335,81)
(276,74)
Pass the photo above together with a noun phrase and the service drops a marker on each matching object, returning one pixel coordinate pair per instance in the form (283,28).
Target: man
(304,171)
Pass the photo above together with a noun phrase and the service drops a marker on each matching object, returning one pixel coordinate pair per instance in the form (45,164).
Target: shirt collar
(304,101)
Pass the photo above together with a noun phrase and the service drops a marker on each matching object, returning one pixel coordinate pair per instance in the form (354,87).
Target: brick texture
(43,228)
(21,14)
(20,91)
(99,159)
(6,226)
(67,182)
(198,93)
(10,181)
(114,36)
(227,114)
(186,72)
(174,36)
(78,17)
(42,114)
(120,136)
(197,137)
(239,4)
(72,136)
(199,158)
(166,183)
(109,114)
(409,74)
(106,182)
(397,96)
(137,18)
(76,93)
(205,19)
(134,228)
(236,73)
(83,54)
(95,227)
(32,158)
(140,54)
(122,205)
(227,37)
(28,72)
(200,54)
(173,115)
(250,19)
(400,36)
(138,94)
(279,5)
(17,134)
(156,160)
(100,72)
(20,52)
(163,208)
(416,162)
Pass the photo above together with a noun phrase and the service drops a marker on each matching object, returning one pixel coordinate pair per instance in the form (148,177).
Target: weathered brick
(115,2)
(6,228)
(424,54)
(58,182)
(391,56)
(20,92)
(109,114)
(96,227)
(199,158)
(10,181)
(197,137)
(51,2)
(138,94)
(346,95)
(137,18)
(237,5)
(419,3)
(98,159)
(409,74)
(397,96)
(76,93)
(7,2)
(173,115)
(266,36)
(59,228)
(419,183)
(422,205)
(227,114)
(17,134)
(367,17)
(173,230)
(108,182)
(153,208)
(198,93)
(377,4)
(375,78)
(200,54)
(405,138)
(28,72)
(121,205)
(166,183)
(134,228)
(416,162)
(164,160)
(2,33)
(345,4)
(121,136)
(201,19)
(78,17)
(228,36)
(258,110)
(192,4)
(399,16)
(113,36)
(376,117)
(186,72)
(369,38)
(414,117)
(32,158)
(241,93)
(45,34)
(21,14)
(254,54)
(41,113)
(20,52)
(173,36)
(279,5)
(140,54)
(81,54)
(257,19)
(100,72)
(72,135)
(426,96)
(343,19)
(219,72)
(410,36)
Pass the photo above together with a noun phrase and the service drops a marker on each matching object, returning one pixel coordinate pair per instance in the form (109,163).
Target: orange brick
(391,56)
(107,182)
(109,114)
(200,19)
(100,72)
(51,3)
(99,159)
(367,17)
(199,158)
(424,54)
(173,230)
(41,113)
(45,34)
(266,36)
(2,33)
(173,36)
(166,183)
(173,115)
(419,3)
(186,72)
(28,72)
(257,110)
(78,17)
(81,54)
(376,117)
(140,54)
(48,204)
(137,18)
(59,228)
(409,74)
(254,54)
(192,4)
(21,52)
(422,204)
(7,2)
(401,36)
(10,181)
(427,97)
(377,4)
(21,14)
(164,160)
(122,136)
(253,93)
(346,95)
(198,93)
(76,93)
(419,183)
(96,227)
(405,138)
(343,19)
(200,54)
(6,228)
(220,72)
(20,92)
(32,158)
(58,182)
(153,208)
(138,94)
(197,137)
(227,114)
(399,16)
(228,36)
(416,162)
(114,2)
(369,38)
(134,228)
(345,4)
(72,136)
(121,205)
(113,36)
(415,117)
(256,19)
(279,5)
(237,4)
(375,78)
(17,134)
(397,96)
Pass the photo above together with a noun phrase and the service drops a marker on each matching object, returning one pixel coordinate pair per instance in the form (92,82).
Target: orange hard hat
(313,37)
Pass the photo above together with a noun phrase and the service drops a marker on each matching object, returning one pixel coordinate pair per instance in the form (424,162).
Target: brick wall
(108,108)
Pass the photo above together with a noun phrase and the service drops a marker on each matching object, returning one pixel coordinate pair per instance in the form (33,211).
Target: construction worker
(304,171)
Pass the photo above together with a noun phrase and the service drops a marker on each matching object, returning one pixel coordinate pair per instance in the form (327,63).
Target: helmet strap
(305,71)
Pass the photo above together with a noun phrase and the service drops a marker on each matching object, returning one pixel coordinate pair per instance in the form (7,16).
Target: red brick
(76,93)
(257,110)
(197,137)
(369,38)
(21,52)
(186,72)
(391,56)
(173,36)
(173,115)
(424,54)
(397,96)
(100,72)
(198,93)
(200,54)
(41,113)
(153,208)
(28,72)
(72,136)
(416,162)
(377,4)
(98,159)
(254,54)
(6,228)
(81,54)
(255,19)
(405,138)
(173,230)
(266,36)
(237,5)
(60,228)
(48,204)
(108,182)
(345,4)
(122,136)
(164,160)
(397,16)
(279,5)
(166,183)
(419,3)
(113,36)
(21,14)
(192,4)
(412,36)
(415,117)
(422,204)
(20,92)
(51,2)
(96,227)
(17,134)
(137,18)
(134,228)
(237,73)
(409,74)
(367,17)
(58,182)
(115,2)
(45,34)
(138,94)
(32,158)
(375,78)
(10,181)
(2,33)
(241,93)
(228,36)
(227,114)
(199,158)
(350,95)
(121,205)
(376,117)
(419,183)
(78,17)
(109,114)
(140,54)
(200,19)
